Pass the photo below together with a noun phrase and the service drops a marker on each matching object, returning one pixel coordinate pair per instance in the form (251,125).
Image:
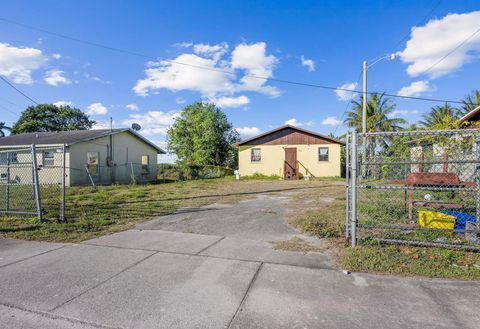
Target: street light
(364,103)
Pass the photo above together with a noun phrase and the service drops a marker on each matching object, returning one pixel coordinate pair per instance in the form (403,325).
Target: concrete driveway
(214,267)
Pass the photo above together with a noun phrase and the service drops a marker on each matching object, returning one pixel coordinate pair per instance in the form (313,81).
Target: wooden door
(290,168)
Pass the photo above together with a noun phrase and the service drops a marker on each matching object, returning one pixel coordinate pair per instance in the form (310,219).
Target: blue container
(462,219)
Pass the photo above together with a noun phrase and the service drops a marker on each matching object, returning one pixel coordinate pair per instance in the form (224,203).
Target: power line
(450,52)
(7,109)
(18,90)
(297,83)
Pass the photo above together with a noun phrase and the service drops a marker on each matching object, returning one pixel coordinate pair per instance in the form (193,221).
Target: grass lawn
(116,208)
(315,207)
(323,214)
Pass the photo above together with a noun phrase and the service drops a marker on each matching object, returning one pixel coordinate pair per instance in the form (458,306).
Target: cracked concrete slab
(262,218)
(253,250)
(295,297)
(46,281)
(168,291)
(157,240)
(12,250)
(16,318)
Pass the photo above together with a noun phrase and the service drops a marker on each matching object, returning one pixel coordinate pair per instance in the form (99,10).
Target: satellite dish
(136,126)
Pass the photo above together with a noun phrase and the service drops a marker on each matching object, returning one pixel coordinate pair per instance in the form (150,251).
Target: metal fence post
(7,194)
(347,188)
(477,179)
(36,183)
(353,189)
(63,190)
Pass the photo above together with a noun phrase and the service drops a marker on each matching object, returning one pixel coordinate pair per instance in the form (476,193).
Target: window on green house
(48,158)
(145,164)
(93,160)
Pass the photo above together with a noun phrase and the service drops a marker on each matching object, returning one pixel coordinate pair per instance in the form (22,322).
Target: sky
(226,45)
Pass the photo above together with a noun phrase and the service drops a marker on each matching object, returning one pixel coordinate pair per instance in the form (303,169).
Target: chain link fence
(417,187)
(32,182)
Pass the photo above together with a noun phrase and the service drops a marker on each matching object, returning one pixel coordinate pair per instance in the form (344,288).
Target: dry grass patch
(296,244)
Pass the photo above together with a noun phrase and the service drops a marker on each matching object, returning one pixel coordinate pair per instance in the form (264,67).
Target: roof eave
(334,140)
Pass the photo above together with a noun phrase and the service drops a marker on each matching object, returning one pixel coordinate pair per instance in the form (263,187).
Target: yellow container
(435,219)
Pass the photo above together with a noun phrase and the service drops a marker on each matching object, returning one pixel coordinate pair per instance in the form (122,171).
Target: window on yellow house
(323,154)
(255,155)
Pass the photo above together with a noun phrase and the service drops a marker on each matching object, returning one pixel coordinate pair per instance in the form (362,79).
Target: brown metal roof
(471,114)
(249,140)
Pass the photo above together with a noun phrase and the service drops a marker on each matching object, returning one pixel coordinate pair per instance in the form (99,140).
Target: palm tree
(470,102)
(441,117)
(379,115)
(2,128)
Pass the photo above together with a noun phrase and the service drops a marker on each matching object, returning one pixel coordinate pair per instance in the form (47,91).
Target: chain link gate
(33,182)
(414,187)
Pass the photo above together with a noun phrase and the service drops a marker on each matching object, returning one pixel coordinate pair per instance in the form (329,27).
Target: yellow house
(290,152)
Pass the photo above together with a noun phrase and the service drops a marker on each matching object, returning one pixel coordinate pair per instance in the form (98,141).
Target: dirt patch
(296,244)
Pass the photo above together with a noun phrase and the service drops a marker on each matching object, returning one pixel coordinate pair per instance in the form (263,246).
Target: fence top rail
(421,132)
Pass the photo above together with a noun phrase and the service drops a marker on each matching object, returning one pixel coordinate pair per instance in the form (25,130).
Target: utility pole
(364,103)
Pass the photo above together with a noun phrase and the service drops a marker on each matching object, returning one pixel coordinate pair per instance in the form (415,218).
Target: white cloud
(132,107)
(183,44)
(103,125)
(213,51)
(295,122)
(176,77)
(153,122)
(63,103)
(55,78)
(180,100)
(56,56)
(18,64)
(415,89)
(428,44)
(402,113)
(222,76)
(97,109)
(331,121)
(232,101)
(308,63)
(253,59)
(95,78)
(247,132)
(345,95)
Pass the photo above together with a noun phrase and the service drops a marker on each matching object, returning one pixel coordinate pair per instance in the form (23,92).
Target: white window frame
(328,154)
(48,163)
(252,160)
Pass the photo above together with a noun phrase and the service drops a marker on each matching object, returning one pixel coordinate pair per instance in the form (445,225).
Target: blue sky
(319,42)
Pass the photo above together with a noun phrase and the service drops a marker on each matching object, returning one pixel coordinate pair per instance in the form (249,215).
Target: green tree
(379,110)
(49,117)
(441,117)
(470,102)
(3,127)
(202,136)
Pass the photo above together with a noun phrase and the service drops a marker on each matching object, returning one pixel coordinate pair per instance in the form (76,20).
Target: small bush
(178,172)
